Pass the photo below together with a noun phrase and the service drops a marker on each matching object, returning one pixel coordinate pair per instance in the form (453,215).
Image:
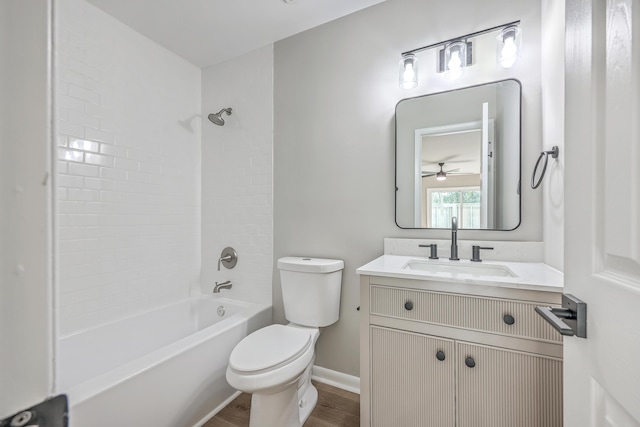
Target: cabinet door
(410,384)
(503,388)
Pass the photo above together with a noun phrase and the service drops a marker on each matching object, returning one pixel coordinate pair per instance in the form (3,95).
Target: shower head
(217,117)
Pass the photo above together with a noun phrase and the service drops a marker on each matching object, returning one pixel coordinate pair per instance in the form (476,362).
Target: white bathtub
(161,368)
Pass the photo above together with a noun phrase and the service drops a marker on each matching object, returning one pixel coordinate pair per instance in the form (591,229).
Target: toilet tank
(311,290)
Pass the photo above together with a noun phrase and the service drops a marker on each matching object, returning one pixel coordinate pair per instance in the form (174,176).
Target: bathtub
(161,368)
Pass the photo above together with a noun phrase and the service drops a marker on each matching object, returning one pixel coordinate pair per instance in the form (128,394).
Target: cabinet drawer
(500,316)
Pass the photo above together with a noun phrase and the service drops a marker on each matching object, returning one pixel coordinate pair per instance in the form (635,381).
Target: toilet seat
(285,354)
(269,348)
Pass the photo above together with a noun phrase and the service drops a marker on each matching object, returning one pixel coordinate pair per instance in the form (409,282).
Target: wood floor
(335,408)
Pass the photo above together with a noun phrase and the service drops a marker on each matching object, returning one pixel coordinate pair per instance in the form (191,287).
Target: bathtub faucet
(223,285)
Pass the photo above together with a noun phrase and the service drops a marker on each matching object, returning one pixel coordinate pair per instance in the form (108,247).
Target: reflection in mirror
(458,154)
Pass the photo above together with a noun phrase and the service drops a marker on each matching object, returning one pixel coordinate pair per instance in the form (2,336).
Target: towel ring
(554,153)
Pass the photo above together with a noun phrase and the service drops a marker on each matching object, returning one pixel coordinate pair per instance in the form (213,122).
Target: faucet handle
(475,252)
(228,257)
(434,250)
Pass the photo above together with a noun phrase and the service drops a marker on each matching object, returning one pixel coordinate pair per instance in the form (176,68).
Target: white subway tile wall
(237,208)
(128,172)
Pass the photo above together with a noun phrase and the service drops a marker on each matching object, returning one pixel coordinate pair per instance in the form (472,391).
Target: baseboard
(217,409)
(336,379)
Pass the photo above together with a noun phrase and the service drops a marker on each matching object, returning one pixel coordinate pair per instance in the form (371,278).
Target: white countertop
(530,275)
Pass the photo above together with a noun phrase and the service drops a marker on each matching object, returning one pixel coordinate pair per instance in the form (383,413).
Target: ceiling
(459,151)
(207,32)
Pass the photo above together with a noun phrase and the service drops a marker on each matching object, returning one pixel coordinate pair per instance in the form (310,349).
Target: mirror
(458,154)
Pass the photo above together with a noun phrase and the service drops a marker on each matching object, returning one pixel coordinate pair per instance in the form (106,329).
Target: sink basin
(454,267)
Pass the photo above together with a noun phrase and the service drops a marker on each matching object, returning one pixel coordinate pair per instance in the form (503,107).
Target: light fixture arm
(466,36)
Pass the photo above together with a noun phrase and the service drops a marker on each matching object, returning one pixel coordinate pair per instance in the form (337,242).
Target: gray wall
(335,91)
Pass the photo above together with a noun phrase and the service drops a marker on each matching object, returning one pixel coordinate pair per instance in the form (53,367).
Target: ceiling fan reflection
(441,175)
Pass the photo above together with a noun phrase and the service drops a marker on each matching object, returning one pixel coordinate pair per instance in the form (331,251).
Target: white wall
(128,172)
(553,24)
(26,328)
(336,87)
(237,208)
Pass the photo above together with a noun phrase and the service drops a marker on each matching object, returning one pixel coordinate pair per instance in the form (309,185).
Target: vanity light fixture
(509,44)
(456,53)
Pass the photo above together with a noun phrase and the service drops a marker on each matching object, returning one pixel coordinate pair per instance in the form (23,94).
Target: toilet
(274,363)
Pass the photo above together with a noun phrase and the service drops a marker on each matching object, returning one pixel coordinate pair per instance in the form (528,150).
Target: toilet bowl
(275,363)
(269,362)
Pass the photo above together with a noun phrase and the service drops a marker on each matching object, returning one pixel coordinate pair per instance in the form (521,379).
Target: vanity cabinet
(450,354)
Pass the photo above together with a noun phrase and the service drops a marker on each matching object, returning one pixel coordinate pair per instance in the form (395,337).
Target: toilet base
(275,410)
(307,394)
(307,403)
(290,407)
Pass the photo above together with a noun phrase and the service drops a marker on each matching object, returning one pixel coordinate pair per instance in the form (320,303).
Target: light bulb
(455,57)
(509,53)
(455,62)
(409,74)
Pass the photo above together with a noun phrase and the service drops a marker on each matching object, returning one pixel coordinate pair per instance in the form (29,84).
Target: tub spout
(223,285)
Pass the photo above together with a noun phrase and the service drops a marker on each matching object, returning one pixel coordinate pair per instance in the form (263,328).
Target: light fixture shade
(441,176)
(408,71)
(509,46)
(455,59)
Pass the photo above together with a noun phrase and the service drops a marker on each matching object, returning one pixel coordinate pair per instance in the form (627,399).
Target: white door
(487,171)
(602,215)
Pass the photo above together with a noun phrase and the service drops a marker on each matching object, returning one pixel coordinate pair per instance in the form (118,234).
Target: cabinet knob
(440,355)
(509,319)
(470,362)
(408,305)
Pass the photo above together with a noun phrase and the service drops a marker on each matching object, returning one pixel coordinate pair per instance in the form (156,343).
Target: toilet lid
(269,348)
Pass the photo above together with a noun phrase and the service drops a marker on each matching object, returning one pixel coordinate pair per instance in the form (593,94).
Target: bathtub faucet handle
(228,258)
(223,258)
(223,285)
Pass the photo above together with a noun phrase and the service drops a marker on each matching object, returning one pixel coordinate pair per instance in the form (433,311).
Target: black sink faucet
(454,239)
